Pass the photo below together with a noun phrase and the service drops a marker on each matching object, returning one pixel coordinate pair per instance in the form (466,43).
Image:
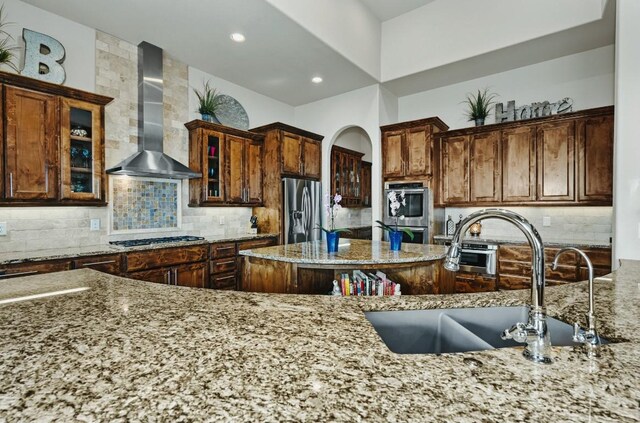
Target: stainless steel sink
(457,329)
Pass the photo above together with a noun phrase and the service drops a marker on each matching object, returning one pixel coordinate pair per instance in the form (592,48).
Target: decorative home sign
(534,110)
(43,57)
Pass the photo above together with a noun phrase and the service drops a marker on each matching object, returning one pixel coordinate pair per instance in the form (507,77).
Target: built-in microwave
(479,258)
(416,210)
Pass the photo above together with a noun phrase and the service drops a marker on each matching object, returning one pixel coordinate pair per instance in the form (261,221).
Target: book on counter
(367,284)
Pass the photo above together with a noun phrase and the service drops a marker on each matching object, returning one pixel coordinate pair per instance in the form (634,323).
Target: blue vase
(333,239)
(395,240)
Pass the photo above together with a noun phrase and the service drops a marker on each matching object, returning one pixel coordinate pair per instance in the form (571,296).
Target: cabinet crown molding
(287,128)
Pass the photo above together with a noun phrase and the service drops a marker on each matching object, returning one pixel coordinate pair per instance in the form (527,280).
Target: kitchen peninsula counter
(307,267)
(125,350)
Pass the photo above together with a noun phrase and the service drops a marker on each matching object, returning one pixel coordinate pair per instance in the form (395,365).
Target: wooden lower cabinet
(359,233)
(225,263)
(182,266)
(474,282)
(111,263)
(514,266)
(33,268)
(193,275)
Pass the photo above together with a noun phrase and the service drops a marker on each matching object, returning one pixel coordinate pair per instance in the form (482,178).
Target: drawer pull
(13,275)
(96,263)
(225,278)
(226,248)
(226,262)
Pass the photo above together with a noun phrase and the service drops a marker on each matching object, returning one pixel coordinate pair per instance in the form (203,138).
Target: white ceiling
(389,9)
(280,56)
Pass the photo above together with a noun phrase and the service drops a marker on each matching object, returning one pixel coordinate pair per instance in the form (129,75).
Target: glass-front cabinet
(212,172)
(348,177)
(82,150)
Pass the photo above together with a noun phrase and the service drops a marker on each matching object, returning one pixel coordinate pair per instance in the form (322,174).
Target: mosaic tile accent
(144,204)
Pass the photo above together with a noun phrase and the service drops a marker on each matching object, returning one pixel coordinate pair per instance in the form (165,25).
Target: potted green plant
(479,105)
(6,50)
(209,101)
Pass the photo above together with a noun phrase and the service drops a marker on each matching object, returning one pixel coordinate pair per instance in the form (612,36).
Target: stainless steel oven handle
(483,252)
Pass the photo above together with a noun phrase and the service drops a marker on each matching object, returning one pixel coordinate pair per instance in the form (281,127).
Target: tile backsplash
(144,204)
(566,223)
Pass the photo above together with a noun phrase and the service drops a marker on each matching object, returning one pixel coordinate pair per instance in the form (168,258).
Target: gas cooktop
(151,241)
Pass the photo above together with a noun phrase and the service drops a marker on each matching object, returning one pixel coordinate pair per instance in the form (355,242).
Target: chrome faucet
(534,333)
(588,336)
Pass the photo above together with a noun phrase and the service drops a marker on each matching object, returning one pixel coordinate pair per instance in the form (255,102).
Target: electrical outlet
(222,220)
(546,221)
(3,228)
(95,225)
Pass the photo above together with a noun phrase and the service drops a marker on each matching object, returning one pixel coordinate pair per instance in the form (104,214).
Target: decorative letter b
(43,56)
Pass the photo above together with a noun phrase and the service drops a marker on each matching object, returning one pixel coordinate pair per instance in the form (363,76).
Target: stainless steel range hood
(150,161)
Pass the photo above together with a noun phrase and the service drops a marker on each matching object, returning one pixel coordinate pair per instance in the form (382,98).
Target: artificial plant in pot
(332,206)
(208,102)
(479,105)
(396,202)
(6,49)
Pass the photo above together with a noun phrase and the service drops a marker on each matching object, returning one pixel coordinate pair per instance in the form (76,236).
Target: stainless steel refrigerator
(302,210)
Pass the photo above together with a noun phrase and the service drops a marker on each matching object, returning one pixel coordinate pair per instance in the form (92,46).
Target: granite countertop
(96,250)
(522,240)
(127,350)
(350,251)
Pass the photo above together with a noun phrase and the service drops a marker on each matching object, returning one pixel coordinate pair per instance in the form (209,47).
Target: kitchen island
(125,350)
(307,267)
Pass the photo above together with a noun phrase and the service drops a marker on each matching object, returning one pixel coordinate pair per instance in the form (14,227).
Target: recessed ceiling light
(237,37)
(316,79)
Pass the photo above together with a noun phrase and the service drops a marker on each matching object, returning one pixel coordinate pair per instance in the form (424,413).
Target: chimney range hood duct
(150,161)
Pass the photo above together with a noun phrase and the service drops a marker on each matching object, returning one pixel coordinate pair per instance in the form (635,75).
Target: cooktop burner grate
(150,241)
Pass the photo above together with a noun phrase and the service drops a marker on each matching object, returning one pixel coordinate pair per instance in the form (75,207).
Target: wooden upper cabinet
(347,176)
(366,184)
(253,171)
(43,162)
(595,158)
(301,156)
(530,162)
(485,167)
(31,145)
(312,155)
(235,169)
(556,161)
(393,158)
(518,164)
(244,170)
(455,170)
(292,150)
(83,173)
(207,155)
(231,163)
(407,149)
(419,148)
